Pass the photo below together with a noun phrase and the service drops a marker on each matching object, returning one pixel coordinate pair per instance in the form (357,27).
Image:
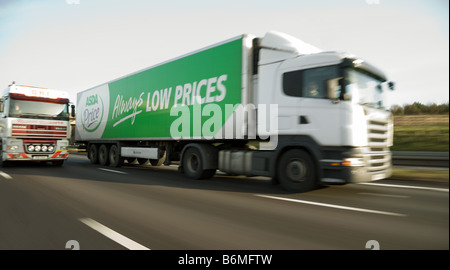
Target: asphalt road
(144,207)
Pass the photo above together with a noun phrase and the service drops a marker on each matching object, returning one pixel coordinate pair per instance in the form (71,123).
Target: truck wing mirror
(2,106)
(73,110)
(391,85)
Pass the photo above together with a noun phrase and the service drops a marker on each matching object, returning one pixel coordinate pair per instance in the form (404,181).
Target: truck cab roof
(35,92)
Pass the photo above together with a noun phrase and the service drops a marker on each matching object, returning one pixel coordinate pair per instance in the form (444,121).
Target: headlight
(30,148)
(37,148)
(13,147)
(352,162)
(50,148)
(44,148)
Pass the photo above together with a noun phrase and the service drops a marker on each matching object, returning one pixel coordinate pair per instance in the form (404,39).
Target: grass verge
(420,174)
(421,138)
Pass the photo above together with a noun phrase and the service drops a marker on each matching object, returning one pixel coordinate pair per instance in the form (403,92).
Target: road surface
(86,206)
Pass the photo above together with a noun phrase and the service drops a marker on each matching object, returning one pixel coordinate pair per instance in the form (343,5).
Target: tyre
(158,162)
(2,163)
(296,171)
(115,159)
(193,165)
(103,155)
(93,153)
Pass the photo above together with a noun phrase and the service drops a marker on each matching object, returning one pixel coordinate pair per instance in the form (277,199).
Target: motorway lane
(42,207)
(32,217)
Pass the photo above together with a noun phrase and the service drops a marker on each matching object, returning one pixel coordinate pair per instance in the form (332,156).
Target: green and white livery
(273,106)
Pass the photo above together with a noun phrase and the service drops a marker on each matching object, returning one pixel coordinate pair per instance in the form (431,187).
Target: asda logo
(92,113)
(92,100)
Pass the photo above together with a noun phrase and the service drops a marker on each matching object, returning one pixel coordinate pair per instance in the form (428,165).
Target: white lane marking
(384,195)
(114,171)
(5,175)
(113,235)
(402,186)
(334,206)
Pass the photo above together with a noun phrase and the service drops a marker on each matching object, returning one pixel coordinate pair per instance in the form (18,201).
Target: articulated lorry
(34,125)
(272,106)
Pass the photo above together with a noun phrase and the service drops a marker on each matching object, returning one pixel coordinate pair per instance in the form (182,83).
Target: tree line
(418,108)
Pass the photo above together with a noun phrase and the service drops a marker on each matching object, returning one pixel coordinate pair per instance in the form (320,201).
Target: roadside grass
(421,138)
(421,133)
(420,174)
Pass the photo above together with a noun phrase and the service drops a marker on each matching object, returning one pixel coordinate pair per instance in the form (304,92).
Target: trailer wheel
(115,159)
(193,165)
(158,162)
(296,171)
(103,155)
(93,153)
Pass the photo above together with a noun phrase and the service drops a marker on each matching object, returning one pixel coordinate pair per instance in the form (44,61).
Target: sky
(74,45)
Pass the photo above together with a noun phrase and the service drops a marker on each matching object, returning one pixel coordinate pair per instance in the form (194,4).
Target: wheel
(158,162)
(103,155)
(2,162)
(93,153)
(115,159)
(193,165)
(296,171)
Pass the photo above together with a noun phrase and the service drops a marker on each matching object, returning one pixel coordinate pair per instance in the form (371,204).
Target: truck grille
(38,131)
(379,139)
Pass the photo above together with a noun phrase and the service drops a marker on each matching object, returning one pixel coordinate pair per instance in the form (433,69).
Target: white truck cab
(330,104)
(34,124)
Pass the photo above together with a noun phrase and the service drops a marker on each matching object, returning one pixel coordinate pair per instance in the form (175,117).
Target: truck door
(303,105)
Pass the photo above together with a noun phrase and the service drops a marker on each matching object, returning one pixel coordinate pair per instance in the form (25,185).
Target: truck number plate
(40,157)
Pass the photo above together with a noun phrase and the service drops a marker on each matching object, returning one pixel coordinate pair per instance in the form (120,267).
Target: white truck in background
(271,106)
(34,125)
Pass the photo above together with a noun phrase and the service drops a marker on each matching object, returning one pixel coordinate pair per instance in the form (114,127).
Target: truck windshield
(363,89)
(38,109)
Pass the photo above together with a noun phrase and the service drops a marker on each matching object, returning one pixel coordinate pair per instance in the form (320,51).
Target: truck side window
(309,83)
(292,83)
(315,81)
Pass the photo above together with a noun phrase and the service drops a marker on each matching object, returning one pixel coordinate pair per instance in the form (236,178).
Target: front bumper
(356,166)
(57,155)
